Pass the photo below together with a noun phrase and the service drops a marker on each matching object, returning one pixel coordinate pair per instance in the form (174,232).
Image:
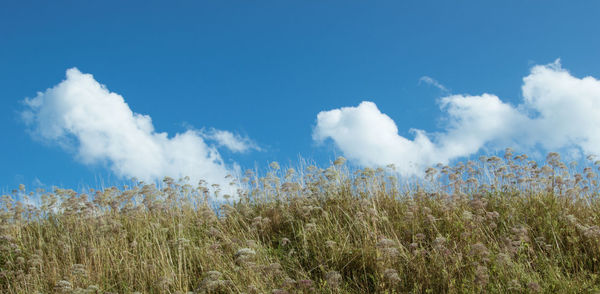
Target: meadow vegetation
(494,225)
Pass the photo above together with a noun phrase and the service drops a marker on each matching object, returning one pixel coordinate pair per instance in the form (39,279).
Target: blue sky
(264,70)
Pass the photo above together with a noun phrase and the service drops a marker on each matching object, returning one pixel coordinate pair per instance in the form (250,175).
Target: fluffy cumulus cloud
(83,116)
(558,111)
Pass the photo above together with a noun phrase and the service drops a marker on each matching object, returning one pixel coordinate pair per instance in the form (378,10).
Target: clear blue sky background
(266,68)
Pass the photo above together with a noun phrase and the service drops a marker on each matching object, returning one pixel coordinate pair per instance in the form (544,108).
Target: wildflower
(215,246)
(333,279)
(274,165)
(473,181)
(330,244)
(63,286)
(289,282)
(245,251)
(290,187)
(213,232)
(439,241)
(390,253)
(164,282)
(520,233)
(35,260)
(251,243)
(244,255)
(592,232)
(504,259)
(391,276)
(213,275)
(78,270)
(373,211)
(492,215)
(93,289)
(274,268)
(252,289)
(212,283)
(339,161)
(430,172)
(534,287)
(481,276)
(431,219)
(304,284)
(478,204)
(384,243)
(479,250)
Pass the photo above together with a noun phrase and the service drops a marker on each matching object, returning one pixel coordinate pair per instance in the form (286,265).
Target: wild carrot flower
(479,250)
(481,276)
(391,276)
(333,279)
(63,286)
(384,243)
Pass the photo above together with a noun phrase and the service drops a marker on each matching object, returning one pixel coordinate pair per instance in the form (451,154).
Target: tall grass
(499,225)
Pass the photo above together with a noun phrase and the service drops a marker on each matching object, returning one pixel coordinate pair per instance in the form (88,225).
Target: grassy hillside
(497,225)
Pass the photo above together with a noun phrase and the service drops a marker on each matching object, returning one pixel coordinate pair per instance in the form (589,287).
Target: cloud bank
(83,116)
(558,111)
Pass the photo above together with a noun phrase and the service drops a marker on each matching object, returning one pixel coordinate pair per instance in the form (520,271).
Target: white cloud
(565,109)
(370,137)
(559,111)
(433,82)
(83,116)
(231,141)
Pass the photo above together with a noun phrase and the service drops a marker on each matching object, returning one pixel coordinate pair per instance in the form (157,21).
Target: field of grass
(496,225)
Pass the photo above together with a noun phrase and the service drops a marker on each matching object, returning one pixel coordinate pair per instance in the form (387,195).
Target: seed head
(333,279)
(330,244)
(534,287)
(245,251)
(78,270)
(479,250)
(391,276)
(481,276)
(63,286)
(384,243)
(339,161)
